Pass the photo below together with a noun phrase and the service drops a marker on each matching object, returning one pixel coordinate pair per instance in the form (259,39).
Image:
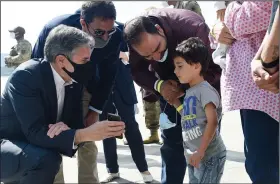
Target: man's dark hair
(98,9)
(134,28)
(194,51)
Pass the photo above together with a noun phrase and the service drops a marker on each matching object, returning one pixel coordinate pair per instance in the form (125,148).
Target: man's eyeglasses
(100,32)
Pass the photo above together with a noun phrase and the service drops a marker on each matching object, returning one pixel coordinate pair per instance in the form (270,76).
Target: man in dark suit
(41,112)
(97,19)
(122,101)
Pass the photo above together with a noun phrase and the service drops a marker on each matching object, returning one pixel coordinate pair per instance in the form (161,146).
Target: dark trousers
(132,134)
(27,164)
(261,146)
(172,152)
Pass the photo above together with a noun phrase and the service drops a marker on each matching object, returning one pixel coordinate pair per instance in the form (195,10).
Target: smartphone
(114,117)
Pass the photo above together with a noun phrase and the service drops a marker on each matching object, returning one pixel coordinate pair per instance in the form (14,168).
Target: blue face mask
(164,122)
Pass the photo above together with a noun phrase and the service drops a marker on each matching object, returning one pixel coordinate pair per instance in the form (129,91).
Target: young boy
(201,111)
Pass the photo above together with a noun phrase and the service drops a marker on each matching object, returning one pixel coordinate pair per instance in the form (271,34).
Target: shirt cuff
(74,146)
(136,109)
(219,5)
(127,54)
(94,109)
(125,62)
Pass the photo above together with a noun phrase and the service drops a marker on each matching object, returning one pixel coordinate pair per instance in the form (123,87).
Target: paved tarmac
(231,132)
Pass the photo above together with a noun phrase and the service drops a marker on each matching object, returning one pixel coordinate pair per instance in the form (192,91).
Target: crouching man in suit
(41,110)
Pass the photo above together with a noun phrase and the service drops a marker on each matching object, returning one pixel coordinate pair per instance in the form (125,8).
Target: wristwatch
(271,64)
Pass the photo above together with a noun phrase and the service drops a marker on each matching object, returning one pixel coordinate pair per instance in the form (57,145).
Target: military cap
(18,29)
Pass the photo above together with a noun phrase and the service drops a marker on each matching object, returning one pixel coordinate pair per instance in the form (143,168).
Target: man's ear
(59,59)
(83,22)
(160,30)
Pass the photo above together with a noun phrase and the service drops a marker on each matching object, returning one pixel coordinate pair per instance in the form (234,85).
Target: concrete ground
(231,132)
(232,135)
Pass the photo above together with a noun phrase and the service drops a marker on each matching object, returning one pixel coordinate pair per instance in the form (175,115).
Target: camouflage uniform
(19,53)
(189,5)
(151,113)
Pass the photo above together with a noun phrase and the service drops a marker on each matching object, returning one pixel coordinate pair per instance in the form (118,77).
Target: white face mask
(12,35)
(164,57)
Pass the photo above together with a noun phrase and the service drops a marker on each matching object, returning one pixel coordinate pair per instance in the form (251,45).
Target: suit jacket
(105,59)
(124,82)
(125,86)
(29,105)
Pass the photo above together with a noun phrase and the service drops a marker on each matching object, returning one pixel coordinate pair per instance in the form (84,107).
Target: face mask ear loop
(164,107)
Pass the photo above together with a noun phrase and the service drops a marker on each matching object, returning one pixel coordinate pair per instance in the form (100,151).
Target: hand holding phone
(114,117)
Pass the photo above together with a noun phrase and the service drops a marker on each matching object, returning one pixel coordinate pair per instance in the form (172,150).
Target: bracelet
(159,85)
(271,64)
(179,108)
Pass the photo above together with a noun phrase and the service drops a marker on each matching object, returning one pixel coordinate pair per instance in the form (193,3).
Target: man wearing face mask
(152,40)
(41,110)
(21,52)
(96,18)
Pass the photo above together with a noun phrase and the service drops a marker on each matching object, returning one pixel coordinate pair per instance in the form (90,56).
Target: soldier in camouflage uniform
(187,5)
(151,113)
(21,52)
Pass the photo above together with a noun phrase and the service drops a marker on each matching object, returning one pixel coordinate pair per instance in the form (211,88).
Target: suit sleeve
(123,46)
(27,102)
(38,50)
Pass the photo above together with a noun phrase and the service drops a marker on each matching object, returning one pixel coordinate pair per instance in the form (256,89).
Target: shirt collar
(58,79)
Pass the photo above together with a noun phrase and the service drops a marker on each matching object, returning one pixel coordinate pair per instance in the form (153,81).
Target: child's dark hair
(194,51)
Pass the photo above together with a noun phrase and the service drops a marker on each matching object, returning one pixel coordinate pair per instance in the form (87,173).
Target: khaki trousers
(87,156)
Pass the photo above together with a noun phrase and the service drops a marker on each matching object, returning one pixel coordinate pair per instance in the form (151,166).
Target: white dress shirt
(60,93)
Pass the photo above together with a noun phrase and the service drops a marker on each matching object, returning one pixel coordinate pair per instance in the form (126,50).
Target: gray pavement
(231,132)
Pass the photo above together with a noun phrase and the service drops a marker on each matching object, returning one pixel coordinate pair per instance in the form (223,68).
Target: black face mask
(82,72)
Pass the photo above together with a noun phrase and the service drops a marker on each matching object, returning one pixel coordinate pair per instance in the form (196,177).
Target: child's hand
(196,158)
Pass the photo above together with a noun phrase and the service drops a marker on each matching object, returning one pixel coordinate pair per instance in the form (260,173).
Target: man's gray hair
(65,40)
